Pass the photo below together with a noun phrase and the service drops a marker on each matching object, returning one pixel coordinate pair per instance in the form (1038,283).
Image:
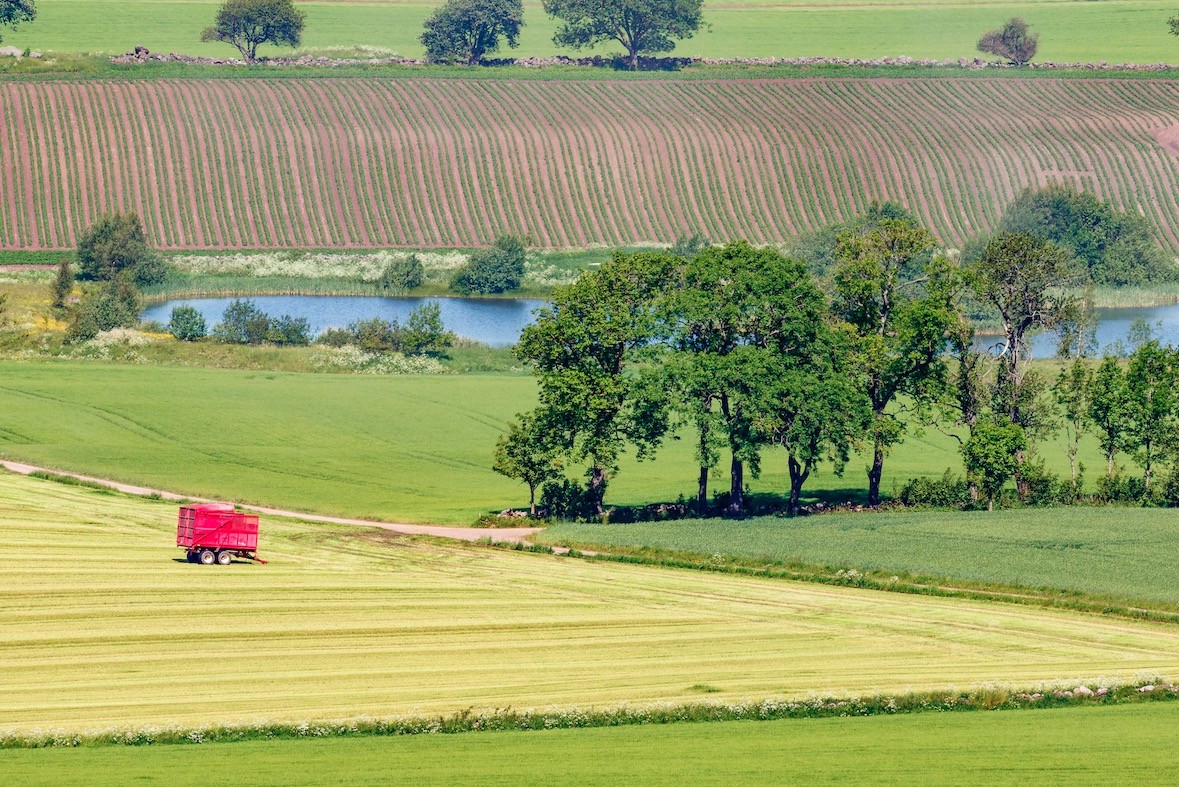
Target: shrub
(564,498)
(335,337)
(115,246)
(1014,42)
(495,270)
(187,324)
(1168,493)
(375,335)
(242,323)
(63,284)
(111,305)
(1041,486)
(402,275)
(424,333)
(948,491)
(1120,488)
(288,330)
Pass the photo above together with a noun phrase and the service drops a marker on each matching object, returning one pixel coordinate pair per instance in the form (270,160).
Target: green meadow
(1132,744)
(1071,30)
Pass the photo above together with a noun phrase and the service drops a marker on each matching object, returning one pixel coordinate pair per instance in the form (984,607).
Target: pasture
(443,162)
(1074,30)
(1128,744)
(402,448)
(1105,551)
(106,626)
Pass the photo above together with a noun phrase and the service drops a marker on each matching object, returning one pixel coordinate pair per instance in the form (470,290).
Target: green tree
(14,12)
(1109,410)
(1014,42)
(991,454)
(247,24)
(109,305)
(524,454)
(63,284)
(587,349)
(495,270)
(242,323)
(424,332)
(1073,391)
(115,245)
(465,31)
(730,314)
(402,275)
(1152,403)
(376,335)
(901,312)
(640,26)
(187,324)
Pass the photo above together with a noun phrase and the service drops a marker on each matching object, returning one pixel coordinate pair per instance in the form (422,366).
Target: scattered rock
(1083,691)
(35,55)
(1146,689)
(11,51)
(1102,691)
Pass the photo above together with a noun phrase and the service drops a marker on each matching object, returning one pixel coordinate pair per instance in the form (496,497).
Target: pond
(496,322)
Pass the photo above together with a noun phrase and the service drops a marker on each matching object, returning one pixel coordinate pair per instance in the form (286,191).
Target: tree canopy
(247,24)
(1014,42)
(116,246)
(640,26)
(465,31)
(14,12)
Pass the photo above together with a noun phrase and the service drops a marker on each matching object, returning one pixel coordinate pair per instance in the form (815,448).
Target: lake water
(496,322)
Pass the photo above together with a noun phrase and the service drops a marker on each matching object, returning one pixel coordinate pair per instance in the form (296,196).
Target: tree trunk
(1109,462)
(634,57)
(736,505)
(875,472)
(532,500)
(798,475)
(702,492)
(597,489)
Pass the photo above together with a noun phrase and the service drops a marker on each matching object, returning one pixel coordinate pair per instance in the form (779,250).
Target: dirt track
(501,535)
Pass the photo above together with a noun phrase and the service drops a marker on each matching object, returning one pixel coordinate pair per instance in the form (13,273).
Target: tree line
(760,360)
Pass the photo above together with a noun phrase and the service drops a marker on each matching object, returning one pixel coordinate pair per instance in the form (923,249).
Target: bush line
(509,720)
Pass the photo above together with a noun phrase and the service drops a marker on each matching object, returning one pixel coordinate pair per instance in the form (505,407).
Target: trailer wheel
(208,558)
(225,558)
(192,557)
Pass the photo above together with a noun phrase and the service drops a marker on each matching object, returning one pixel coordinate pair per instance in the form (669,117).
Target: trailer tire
(224,558)
(207,558)
(192,556)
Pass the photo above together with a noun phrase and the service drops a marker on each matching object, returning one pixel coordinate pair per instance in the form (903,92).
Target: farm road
(499,535)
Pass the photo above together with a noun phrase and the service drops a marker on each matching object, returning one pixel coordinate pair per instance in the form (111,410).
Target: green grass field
(106,626)
(410,448)
(1121,745)
(1104,551)
(1071,30)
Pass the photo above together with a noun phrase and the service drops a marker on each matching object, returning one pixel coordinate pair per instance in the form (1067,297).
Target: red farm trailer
(216,533)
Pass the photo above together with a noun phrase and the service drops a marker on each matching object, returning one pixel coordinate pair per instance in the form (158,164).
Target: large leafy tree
(1109,410)
(1014,41)
(587,349)
(731,315)
(465,31)
(901,310)
(524,455)
(247,24)
(640,26)
(992,454)
(116,246)
(1153,405)
(13,12)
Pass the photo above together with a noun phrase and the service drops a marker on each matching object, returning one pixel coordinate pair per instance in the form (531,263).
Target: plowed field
(451,162)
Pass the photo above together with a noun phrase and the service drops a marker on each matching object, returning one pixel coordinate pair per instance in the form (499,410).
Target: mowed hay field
(1124,745)
(106,626)
(433,162)
(1113,30)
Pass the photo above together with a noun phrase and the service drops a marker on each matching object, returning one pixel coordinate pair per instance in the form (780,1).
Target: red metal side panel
(216,526)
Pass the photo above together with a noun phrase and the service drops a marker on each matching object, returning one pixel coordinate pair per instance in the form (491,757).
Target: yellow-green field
(106,626)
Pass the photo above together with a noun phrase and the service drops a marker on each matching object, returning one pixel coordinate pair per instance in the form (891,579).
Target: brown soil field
(429,162)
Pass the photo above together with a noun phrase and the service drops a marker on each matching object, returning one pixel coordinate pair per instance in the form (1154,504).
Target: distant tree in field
(1014,42)
(991,454)
(287,330)
(689,245)
(640,26)
(1173,23)
(246,24)
(187,324)
(63,284)
(1109,410)
(115,246)
(14,12)
(402,275)
(1152,403)
(820,249)
(242,323)
(111,304)
(1073,391)
(424,333)
(373,336)
(465,31)
(495,270)
(588,349)
(524,455)
(901,312)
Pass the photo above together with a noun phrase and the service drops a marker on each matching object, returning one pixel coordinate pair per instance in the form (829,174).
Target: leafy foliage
(187,324)
(115,245)
(465,31)
(111,304)
(63,284)
(244,323)
(423,334)
(524,455)
(494,270)
(402,275)
(1014,41)
(991,454)
(945,491)
(820,249)
(640,26)
(14,12)
(246,24)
